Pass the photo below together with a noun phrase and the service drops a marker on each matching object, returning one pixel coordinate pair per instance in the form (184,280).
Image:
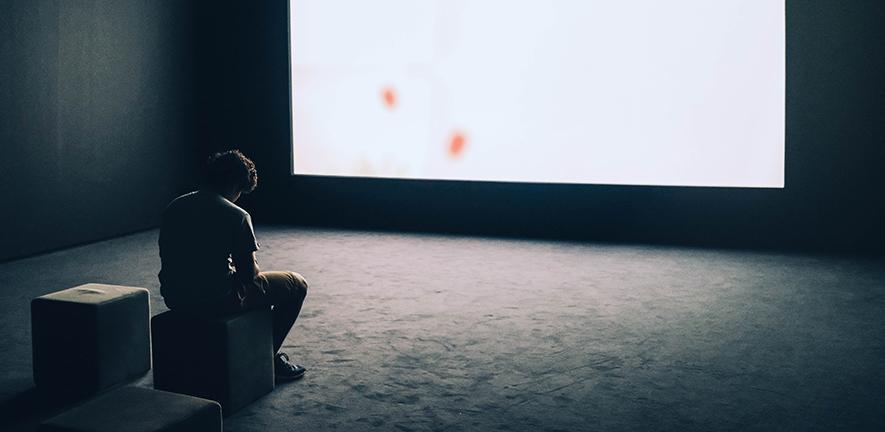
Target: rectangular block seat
(226,359)
(89,338)
(137,409)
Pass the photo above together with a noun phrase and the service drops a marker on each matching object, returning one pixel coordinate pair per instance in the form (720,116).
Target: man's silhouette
(207,250)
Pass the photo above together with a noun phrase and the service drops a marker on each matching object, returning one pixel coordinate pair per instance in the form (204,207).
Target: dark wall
(835,156)
(94,109)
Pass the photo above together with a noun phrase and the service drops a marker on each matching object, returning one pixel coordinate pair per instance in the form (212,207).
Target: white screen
(643,92)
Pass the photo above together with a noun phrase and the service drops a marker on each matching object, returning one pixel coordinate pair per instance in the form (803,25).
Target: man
(207,251)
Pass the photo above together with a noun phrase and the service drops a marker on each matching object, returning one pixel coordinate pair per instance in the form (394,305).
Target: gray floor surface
(432,333)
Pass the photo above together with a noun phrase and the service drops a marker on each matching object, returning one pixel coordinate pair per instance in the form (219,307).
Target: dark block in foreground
(136,409)
(227,359)
(88,338)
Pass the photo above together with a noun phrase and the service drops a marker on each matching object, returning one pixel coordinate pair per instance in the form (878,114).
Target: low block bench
(89,338)
(226,359)
(136,409)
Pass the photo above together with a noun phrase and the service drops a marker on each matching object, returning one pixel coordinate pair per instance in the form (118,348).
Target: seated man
(207,251)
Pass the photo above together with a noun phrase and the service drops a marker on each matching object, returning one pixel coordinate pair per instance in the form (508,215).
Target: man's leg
(285,292)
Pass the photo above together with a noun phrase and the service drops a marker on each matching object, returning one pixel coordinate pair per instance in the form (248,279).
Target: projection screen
(632,92)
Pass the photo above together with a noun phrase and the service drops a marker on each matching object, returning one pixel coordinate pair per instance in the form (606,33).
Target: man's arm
(244,260)
(247,268)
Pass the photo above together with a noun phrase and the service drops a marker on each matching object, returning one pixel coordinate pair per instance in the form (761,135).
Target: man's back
(199,233)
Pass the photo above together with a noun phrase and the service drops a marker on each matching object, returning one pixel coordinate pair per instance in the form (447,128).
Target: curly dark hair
(231,169)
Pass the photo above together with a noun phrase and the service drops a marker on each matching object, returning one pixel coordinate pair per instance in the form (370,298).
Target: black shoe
(285,371)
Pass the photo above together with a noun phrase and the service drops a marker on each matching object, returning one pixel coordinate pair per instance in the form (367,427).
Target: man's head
(230,174)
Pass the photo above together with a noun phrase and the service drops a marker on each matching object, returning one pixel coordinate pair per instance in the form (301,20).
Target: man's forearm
(246,268)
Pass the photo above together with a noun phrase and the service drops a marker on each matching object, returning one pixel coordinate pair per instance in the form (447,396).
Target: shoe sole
(284,378)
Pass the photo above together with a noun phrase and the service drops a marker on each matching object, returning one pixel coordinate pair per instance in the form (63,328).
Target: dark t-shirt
(199,234)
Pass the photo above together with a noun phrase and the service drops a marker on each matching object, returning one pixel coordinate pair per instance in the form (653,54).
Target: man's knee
(297,285)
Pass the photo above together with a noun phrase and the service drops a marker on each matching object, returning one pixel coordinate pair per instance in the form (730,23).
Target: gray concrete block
(137,409)
(227,359)
(89,338)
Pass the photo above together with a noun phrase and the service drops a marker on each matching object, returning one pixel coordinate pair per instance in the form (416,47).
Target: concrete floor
(422,332)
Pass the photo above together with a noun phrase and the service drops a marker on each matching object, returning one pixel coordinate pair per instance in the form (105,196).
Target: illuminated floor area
(421,332)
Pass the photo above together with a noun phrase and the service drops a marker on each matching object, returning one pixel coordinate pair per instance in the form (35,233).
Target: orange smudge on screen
(457,142)
(388,95)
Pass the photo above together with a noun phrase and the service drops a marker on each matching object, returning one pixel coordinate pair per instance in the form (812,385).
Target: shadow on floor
(25,407)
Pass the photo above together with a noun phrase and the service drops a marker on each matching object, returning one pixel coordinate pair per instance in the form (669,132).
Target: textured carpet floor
(421,332)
